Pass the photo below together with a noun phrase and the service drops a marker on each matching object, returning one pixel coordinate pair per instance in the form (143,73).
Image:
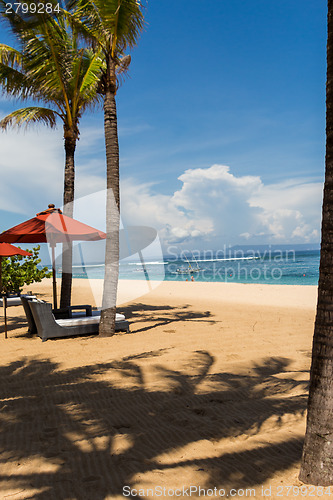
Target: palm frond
(25,116)
(53,67)
(90,32)
(92,66)
(130,23)
(46,62)
(10,57)
(118,21)
(13,82)
(27,16)
(12,79)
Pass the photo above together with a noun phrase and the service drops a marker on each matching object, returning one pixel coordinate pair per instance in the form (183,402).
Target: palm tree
(317,460)
(111,27)
(52,69)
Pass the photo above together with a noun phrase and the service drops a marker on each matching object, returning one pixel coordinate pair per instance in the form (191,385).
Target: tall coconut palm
(51,68)
(111,27)
(317,460)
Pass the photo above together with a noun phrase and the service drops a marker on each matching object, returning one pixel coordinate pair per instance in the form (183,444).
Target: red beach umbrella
(7,250)
(51,226)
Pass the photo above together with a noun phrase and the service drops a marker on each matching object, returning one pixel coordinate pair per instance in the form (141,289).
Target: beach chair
(58,314)
(48,326)
(14,299)
(31,322)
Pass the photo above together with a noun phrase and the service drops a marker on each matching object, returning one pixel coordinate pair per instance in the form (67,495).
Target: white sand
(209,390)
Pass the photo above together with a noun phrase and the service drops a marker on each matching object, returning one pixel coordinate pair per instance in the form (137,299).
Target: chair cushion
(85,320)
(15,301)
(80,314)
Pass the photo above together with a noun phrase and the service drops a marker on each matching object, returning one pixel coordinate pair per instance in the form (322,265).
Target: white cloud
(291,209)
(32,169)
(212,206)
(31,166)
(218,199)
(141,206)
(215,205)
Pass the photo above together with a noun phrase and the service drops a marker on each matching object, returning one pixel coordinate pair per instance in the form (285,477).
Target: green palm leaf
(10,57)
(52,68)
(118,22)
(14,82)
(26,116)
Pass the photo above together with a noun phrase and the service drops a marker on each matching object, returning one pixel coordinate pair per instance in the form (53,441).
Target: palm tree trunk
(107,324)
(317,460)
(67,248)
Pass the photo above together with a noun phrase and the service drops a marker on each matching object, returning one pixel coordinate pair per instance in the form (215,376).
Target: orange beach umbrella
(7,250)
(51,226)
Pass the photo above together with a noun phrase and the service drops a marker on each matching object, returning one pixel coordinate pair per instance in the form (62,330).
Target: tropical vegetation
(52,68)
(18,271)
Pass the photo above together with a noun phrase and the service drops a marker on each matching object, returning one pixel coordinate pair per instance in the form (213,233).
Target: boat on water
(188,270)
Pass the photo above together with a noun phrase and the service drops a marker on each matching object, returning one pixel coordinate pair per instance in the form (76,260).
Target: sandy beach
(205,397)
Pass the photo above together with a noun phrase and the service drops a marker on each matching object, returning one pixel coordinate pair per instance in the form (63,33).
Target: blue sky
(221,128)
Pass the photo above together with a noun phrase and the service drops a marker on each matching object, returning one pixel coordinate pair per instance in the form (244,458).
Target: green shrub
(18,271)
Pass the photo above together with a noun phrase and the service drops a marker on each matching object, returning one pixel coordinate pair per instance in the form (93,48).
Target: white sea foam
(145,263)
(227,258)
(88,265)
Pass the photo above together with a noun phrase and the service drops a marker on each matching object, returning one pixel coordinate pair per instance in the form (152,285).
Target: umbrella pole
(4,299)
(4,303)
(55,303)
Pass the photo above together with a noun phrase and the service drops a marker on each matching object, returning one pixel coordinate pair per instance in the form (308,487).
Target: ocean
(266,267)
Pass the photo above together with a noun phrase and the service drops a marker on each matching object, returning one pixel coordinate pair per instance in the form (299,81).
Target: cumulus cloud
(212,205)
(142,206)
(291,210)
(215,205)
(219,198)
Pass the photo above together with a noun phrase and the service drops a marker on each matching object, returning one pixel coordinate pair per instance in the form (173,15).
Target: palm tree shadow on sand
(79,433)
(156,315)
(149,315)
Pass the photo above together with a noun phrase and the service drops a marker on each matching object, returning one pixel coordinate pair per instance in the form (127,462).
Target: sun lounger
(69,312)
(73,311)
(15,300)
(49,327)
(31,322)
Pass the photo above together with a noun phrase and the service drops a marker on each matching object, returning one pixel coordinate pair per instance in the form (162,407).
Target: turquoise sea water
(280,268)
